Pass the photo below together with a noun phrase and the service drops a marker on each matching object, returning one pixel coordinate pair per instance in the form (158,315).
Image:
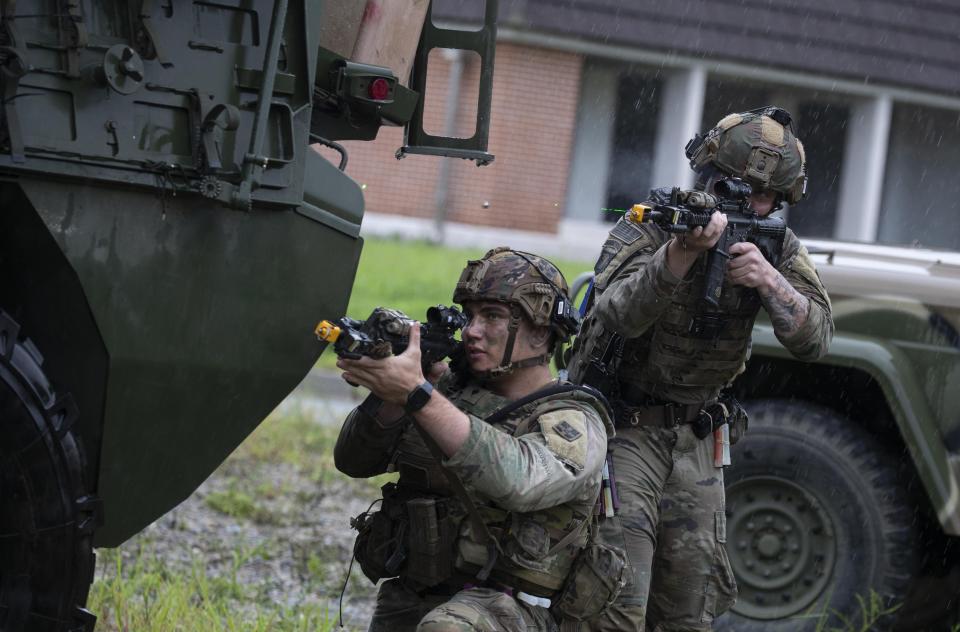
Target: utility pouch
(380,547)
(726,410)
(702,426)
(738,420)
(594,582)
(707,325)
(430,542)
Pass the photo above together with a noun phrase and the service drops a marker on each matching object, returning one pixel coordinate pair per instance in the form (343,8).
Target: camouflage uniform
(539,466)
(671,520)
(531,467)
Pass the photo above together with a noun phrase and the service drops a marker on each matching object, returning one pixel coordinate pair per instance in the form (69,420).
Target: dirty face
(485,336)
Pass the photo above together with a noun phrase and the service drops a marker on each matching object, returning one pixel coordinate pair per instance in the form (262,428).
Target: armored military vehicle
(168,240)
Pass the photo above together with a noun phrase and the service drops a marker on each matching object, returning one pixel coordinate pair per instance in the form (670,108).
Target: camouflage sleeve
(559,463)
(812,340)
(638,294)
(364,447)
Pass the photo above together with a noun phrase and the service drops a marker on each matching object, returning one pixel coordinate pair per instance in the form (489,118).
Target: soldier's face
(485,336)
(762,202)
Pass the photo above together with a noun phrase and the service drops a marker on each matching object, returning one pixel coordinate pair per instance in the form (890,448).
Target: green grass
(137,590)
(872,611)
(414,275)
(143,595)
(295,439)
(238,504)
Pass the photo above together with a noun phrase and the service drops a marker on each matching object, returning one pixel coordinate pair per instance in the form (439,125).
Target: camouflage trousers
(672,525)
(399,609)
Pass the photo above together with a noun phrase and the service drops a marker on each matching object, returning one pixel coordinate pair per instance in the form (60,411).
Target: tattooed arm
(787,307)
(792,294)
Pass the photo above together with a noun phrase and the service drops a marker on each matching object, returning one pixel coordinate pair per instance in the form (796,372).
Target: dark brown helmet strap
(512,328)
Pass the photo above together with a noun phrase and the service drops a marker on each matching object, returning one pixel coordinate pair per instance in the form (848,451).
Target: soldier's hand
(748,266)
(391,379)
(701,239)
(436,371)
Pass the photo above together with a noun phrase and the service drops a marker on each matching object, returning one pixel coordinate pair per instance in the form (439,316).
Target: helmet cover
(758,146)
(525,280)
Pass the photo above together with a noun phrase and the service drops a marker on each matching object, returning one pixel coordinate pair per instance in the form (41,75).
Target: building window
(725,95)
(921,192)
(634,139)
(822,127)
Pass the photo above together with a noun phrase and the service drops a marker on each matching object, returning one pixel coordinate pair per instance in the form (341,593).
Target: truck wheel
(46,518)
(816,516)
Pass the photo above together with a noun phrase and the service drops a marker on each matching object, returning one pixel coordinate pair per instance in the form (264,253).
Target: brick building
(594,101)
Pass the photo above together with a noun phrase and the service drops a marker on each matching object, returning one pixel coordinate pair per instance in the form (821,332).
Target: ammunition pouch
(430,538)
(410,536)
(594,582)
(707,325)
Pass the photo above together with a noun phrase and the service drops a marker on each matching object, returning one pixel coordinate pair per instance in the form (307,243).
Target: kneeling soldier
(500,465)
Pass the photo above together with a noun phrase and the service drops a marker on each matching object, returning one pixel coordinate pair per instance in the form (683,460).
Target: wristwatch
(418,398)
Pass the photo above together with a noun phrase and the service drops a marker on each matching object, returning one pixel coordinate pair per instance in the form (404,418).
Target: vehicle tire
(46,517)
(816,516)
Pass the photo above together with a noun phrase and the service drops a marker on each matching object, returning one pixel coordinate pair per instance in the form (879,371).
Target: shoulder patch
(565,432)
(626,231)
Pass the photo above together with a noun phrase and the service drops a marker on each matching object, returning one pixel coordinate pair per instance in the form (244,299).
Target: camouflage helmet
(523,279)
(758,146)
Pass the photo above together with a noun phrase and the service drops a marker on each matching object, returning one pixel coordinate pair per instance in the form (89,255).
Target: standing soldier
(662,358)
(500,466)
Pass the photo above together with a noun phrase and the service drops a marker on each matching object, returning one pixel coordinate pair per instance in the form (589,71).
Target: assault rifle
(679,211)
(386,332)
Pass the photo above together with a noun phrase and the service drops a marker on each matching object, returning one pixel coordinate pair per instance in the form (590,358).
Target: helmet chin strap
(507,367)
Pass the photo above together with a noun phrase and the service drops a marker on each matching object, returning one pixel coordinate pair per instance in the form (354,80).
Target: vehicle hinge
(482,42)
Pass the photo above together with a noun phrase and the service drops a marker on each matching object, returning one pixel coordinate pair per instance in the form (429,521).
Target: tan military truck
(847,483)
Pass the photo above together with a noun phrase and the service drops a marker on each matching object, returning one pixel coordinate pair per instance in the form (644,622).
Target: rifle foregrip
(716,268)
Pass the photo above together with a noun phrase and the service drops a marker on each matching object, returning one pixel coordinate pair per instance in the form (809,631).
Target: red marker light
(379,89)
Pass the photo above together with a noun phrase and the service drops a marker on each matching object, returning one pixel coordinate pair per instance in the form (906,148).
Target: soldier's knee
(444,620)
(619,618)
(440,625)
